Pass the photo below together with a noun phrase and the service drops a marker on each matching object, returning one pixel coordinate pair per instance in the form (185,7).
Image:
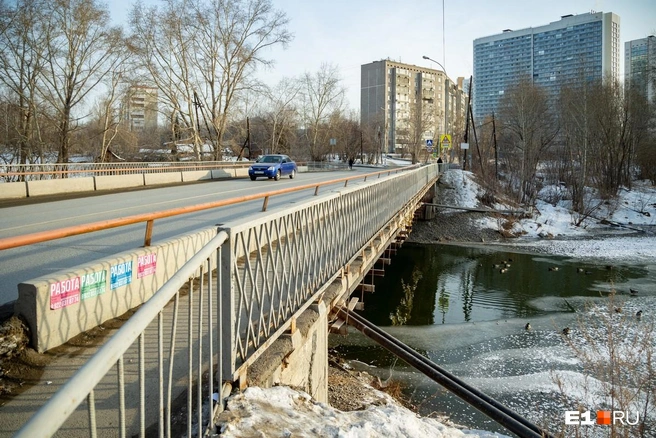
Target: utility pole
(247,142)
(478,149)
(199,152)
(464,158)
(361,148)
(496,154)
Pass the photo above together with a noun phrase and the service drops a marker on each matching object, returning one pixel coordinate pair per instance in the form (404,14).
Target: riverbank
(620,229)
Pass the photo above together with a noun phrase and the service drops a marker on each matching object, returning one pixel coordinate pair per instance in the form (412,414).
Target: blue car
(273,166)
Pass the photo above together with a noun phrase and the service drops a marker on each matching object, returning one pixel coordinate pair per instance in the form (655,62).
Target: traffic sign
(429,142)
(445,140)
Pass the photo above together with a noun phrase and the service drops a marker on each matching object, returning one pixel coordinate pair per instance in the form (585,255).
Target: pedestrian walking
(350,163)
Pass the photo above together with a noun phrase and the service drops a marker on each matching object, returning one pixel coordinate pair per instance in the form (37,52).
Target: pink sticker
(146,264)
(64,293)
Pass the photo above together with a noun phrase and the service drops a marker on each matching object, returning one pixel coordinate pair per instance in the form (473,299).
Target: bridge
(245,302)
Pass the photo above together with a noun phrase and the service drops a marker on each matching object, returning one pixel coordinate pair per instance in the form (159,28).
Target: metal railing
(32,172)
(242,291)
(149,218)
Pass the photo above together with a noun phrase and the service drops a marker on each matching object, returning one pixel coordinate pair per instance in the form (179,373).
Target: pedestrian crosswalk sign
(429,142)
(445,141)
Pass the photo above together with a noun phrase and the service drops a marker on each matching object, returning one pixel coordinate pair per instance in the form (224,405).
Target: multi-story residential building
(399,98)
(141,103)
(572,49)
(640,66)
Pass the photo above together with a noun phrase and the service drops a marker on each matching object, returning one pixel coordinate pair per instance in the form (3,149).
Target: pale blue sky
(350,33)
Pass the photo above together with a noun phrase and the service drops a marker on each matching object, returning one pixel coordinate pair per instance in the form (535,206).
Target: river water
(466,308)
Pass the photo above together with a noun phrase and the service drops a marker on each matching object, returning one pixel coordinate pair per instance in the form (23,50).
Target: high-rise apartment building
(572,49)
(395,96)
(640,66)
(141,105)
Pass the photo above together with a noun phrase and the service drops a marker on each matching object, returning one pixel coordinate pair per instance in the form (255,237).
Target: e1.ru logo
(605,418)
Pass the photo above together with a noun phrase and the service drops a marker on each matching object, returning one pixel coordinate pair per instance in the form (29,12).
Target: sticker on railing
(120,275)
(64,293)
(93,284)
(146,264)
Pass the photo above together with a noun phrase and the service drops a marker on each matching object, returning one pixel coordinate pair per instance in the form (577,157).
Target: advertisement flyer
(146,265)
(64,293)
(120,275)
(93,284)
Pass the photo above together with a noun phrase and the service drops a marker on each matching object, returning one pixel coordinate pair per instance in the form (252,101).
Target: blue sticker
(121,275)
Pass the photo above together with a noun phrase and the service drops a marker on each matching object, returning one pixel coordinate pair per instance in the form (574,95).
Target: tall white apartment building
(574,48)
(640,66)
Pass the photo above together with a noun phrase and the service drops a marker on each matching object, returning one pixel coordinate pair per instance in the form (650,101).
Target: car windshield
(269,159)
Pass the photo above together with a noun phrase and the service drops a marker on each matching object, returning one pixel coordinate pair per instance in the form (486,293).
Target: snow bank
(551,229)
(283,412)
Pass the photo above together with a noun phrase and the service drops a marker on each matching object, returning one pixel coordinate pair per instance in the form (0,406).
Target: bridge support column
(298,359)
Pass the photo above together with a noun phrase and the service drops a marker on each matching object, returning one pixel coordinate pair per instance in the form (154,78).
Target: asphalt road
(24,263)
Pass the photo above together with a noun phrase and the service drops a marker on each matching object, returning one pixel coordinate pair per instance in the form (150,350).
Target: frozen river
(467,309)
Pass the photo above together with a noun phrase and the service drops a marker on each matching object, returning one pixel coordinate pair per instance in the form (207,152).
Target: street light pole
(446,83)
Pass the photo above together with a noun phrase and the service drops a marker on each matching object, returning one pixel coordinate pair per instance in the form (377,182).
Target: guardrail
(269,269)
(149,218)
(35,172)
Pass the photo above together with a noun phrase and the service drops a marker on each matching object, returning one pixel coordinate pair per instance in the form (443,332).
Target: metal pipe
(487,405)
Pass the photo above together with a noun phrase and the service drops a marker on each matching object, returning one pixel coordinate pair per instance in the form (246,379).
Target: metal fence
(219,312)
(33,172)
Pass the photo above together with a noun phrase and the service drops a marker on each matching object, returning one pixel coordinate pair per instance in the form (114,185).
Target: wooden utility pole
(247,142)
(468,112)
(478,149)
(496,153)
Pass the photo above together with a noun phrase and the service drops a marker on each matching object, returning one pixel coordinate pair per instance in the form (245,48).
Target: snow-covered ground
(551,228)
(283,412)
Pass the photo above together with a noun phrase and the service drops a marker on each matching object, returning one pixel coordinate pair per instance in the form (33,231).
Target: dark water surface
(464,284)
(454,305)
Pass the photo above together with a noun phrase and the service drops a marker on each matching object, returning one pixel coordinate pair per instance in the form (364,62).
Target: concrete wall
(62,185)
(162,178)
(66,303)
(196,175)
(111,182)
(13,190)
(299,359)
(16,190)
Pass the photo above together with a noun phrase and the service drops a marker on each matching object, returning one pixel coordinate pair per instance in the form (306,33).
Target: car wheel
(277,177)
(292,175)
(253,178)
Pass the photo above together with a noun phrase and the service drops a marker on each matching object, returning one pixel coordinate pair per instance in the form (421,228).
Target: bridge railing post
(226,309)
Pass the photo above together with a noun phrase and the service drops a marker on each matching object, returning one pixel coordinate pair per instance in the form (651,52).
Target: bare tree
(577,132)
(208,48)
(420,125)
(80,50)
(621,118)
(163,44)
(322,94)
(282,115)
(372,137)
(346,131)
(22,41)
(108,127)
(529,128)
